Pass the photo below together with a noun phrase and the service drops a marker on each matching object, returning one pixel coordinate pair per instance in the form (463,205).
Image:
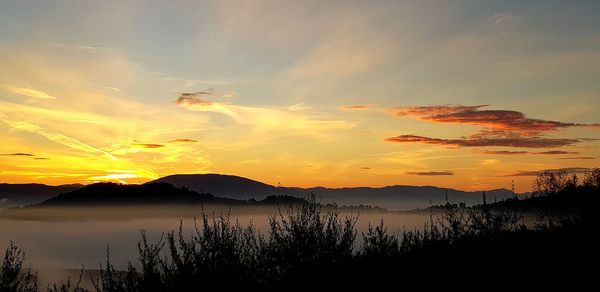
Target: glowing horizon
(461,95)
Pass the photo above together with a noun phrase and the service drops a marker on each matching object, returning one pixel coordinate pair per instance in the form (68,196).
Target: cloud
(500,18)
(209,91)
(503,152)
(536,172)
(503,120)
(521,142)
(148,145)
(18,154)
(183,141)
(578,158)
(508,152)
(186,101)
(430,173)
(267,118)
(556,152)
(53,136)
(356,107)
(505,128)
(29,92)
(229,94)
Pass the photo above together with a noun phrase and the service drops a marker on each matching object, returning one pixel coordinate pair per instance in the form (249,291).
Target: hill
(390,197)
(23,194)
(229,186)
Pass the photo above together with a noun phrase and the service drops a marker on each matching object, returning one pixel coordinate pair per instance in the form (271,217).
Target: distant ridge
(396,197)
(24,194)
(229,186)
(100,194)
(391,197)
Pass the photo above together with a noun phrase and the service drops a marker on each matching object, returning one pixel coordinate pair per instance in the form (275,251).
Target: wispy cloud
(266,118)
(356,107)
(430,173)
(147,145)
(578,158)
(186,101)
(503,152)
(17,154)
(183,140)
(536,172)
(524,142)
(29,92)
(53,136)
(509,152)
(229,94)
(556,152)
(507,120)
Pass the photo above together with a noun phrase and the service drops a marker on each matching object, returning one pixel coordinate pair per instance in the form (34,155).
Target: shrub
(13,277)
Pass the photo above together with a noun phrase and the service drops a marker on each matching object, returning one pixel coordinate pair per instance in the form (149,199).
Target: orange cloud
(525,142)
(356,107)
(183,141)
(17,154)
(536,172)
(430,173)
(183,100)
(506,120)
(148,145)
(508,152)
(578,158)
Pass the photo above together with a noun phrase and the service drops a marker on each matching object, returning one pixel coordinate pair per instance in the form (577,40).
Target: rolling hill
(23,194)
(390,197)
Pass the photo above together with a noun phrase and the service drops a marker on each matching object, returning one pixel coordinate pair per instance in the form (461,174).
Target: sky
(465,94)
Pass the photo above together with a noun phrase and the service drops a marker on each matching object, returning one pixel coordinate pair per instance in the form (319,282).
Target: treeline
(481,248)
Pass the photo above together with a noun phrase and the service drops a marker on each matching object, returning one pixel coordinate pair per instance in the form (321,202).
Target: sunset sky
(463,94)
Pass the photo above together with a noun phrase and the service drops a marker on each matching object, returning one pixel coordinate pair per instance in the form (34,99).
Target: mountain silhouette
(24,194)
(99,194)
(113,194)
(391,197)
(229,186)
(397,197)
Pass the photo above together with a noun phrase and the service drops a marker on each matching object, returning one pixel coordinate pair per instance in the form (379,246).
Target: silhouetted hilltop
(23,194)
(99,194)
(239,188)
(113,194)
(229,186)
(391,197)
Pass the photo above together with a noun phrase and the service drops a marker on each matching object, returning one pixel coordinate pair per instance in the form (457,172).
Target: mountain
(24,194)
(159,194)
(108,194)
(228,186)
(390,197)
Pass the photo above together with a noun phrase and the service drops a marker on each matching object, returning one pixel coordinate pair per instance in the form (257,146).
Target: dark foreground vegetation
(486,247)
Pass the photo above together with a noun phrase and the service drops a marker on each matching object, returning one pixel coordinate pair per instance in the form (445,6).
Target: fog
(68,240)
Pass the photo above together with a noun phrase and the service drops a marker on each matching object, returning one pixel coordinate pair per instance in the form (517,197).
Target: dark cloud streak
(430,173)
(523,142)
